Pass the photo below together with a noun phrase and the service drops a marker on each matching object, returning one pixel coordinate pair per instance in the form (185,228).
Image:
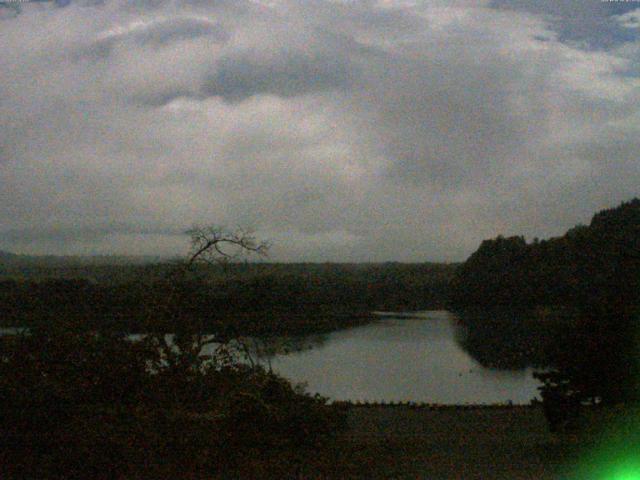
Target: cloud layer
(343,131)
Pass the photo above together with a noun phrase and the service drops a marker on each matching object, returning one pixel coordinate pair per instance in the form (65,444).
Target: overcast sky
(340,130)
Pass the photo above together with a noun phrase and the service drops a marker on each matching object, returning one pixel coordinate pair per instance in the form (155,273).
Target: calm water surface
(396,359)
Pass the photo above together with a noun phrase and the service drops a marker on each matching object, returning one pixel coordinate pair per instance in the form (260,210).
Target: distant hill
(594,263)
(18,260)
(7,256)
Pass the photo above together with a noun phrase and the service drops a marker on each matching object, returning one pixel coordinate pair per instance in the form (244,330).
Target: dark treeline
(260,298)
(23,262)
(571,304)
(589,264)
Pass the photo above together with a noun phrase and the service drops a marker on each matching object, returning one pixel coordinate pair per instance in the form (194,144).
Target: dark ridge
(589,264)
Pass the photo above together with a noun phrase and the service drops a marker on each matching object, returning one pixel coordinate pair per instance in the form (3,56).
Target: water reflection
(433,357)
(404,360)
(508,339)
(268,347)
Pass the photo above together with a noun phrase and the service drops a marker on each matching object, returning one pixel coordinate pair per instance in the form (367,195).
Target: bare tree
(209,245)
(219,245)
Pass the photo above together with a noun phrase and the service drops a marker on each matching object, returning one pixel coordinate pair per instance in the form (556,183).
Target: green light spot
(626,472)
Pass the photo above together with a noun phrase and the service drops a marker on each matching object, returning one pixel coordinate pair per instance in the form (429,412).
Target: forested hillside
(594,263)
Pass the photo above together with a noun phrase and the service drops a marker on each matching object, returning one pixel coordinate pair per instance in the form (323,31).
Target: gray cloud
(589,24)
(341,130)
(289,75)
(155,34)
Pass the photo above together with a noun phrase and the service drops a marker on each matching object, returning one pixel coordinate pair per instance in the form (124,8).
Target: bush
(85,404)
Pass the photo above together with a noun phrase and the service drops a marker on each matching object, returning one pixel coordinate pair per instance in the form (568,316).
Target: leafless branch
(214,245)
(217,244)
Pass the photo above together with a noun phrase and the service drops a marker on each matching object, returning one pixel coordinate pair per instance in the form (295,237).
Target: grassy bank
(449,442)
(474,443)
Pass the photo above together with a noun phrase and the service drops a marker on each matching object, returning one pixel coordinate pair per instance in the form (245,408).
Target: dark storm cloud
(371,130)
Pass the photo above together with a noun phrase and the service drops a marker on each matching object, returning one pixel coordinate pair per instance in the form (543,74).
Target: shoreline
(436,406)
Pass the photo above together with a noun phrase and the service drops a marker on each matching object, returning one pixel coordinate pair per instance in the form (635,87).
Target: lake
(399,359)
(395,358)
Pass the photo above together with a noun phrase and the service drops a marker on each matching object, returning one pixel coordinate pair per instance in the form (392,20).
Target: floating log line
(432,406)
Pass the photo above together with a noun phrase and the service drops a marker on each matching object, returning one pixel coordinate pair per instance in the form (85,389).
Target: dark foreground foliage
(76,403)
(594,364)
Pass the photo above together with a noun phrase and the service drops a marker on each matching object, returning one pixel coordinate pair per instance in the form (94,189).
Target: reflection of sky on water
(418,359)
(403,360)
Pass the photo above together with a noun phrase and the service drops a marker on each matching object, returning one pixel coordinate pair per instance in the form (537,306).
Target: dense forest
(260,298)
(569,304)
(594,263)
